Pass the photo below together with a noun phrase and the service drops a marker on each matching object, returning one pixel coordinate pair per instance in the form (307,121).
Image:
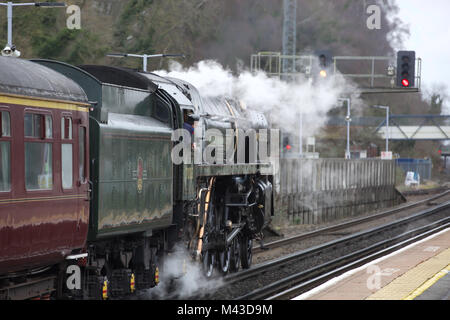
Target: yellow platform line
(428,284)
(415,279)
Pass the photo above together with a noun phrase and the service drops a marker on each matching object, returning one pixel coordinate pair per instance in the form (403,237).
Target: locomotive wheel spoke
(235,260)
(246,252)
(208,263)
(225,259)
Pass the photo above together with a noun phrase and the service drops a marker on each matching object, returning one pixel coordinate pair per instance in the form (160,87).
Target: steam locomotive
(91,201)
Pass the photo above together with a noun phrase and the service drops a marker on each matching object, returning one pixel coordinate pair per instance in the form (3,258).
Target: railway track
(348,224)
(323,233)
(268,279)
(424,191)
(302,282)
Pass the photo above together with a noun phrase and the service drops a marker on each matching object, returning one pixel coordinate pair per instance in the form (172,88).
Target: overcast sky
(429,25)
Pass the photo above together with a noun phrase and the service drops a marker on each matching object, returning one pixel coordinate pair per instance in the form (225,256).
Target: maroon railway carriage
(44,189)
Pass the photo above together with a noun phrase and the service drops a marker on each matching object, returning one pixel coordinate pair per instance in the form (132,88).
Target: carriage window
(38,166)
(38,126)
(66,128)
(38,155)
(5,166)
(48,127)
(67,166)
(66,153)
(5,152)
(5,124)
(82,153)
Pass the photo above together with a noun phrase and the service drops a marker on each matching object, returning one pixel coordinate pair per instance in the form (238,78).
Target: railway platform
(420,271)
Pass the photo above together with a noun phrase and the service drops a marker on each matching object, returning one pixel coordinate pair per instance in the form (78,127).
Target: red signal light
(440,151)
(405,82)
(288,147)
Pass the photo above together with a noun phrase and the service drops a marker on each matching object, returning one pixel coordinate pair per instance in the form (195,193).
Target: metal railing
(271,63)
(374,74)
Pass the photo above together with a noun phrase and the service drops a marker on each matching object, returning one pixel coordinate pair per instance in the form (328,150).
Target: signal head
(323,65)
(405,82)
(406,63)
(323,60)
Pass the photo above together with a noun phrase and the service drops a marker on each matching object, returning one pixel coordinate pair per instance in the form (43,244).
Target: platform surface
(420,271)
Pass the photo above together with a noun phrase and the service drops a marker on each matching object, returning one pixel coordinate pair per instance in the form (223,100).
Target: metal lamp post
(301,135)
(387,124)
(144,57)
(348,119)
(9,6)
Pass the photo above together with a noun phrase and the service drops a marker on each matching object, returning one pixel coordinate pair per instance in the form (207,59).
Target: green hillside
(228,31)
(225,30)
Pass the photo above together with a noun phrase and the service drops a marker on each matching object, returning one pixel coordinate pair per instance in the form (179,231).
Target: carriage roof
(26,78)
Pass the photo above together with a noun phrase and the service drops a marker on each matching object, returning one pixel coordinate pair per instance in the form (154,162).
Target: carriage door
(73,159)
(84,187)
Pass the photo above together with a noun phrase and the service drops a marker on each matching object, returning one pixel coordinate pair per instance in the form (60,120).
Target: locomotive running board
(210,170)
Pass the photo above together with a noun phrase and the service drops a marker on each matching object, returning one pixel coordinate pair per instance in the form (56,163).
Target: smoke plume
(183,278)
(281,101)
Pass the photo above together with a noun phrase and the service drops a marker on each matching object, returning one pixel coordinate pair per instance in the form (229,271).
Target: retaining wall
(323,190)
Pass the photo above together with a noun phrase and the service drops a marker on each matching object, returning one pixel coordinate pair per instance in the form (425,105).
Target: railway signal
(325,63)
(287,145)
(406,67)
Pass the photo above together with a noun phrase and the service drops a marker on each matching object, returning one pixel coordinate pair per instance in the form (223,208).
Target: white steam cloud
(183,277)
(282,101)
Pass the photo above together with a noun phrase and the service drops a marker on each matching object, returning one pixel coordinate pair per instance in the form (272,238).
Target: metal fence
(375,70)
(319,191)
(374,75)
(422,166)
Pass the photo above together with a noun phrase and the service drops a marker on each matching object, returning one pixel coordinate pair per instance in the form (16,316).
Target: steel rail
(304,281)
(257,270)
(344,225)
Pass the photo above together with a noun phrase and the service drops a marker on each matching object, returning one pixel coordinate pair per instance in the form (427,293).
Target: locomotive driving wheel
(225,259)
(209,260)
(224,253)
(235,260)
(246,251)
